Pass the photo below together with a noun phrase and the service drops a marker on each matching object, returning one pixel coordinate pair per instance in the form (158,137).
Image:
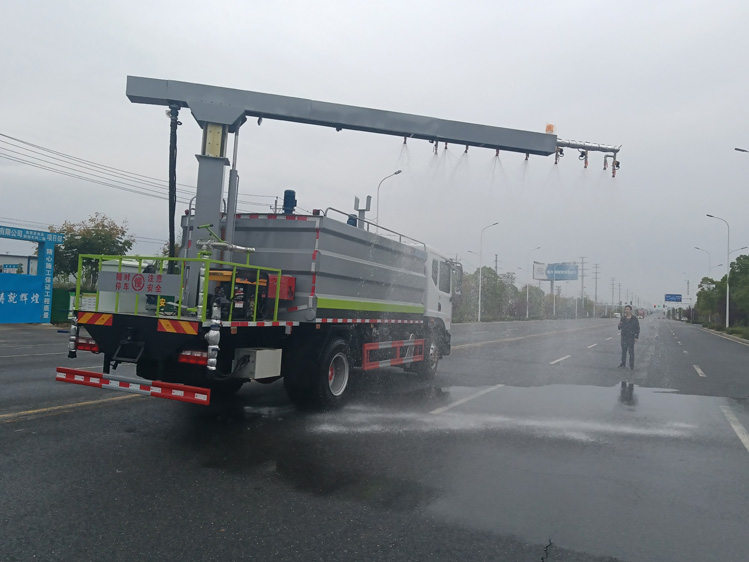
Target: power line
(51,151)
(93,172)
(24,223)
(54,167)
(134,190)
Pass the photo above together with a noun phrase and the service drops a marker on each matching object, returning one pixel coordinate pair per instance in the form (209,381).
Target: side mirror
(458,286)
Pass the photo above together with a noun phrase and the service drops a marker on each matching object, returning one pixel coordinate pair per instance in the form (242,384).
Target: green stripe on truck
(369,306)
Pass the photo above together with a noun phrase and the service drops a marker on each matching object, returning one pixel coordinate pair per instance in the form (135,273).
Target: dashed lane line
(700,372)
(559,360)
(607,339)
(466,399)
(740,430)
(593,345)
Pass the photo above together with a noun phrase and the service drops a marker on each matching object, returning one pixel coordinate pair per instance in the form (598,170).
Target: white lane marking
(740,430)
(724,337)
(685,351)
(700,372)
(678,342)
(481,332)
(607,339)
(559,360)
(595,344)
(35,354)
(466,399)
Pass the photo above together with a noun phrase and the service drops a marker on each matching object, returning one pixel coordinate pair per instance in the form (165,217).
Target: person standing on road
(630,329)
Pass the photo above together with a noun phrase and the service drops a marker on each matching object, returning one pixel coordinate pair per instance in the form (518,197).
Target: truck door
(439,290)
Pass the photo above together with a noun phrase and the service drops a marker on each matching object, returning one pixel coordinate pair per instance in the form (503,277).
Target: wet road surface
(526,435)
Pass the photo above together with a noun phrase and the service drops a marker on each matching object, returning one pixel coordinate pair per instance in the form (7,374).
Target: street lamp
(709,267)
(528,281)
(741,149)
(481,249)
(728,261)
(377,215)
(738,249)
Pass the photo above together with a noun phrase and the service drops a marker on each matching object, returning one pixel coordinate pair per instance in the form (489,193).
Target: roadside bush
(741,331)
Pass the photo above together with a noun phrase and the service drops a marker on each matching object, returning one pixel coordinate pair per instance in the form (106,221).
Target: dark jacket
(630,328)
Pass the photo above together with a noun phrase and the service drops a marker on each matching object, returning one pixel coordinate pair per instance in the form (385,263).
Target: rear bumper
(170,391)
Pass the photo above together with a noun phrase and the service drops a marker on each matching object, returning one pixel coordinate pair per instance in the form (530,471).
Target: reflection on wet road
(502,451)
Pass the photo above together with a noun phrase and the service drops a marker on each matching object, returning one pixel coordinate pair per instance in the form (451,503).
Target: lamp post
(377,211)
(481,249)
(528,281)
(709,267)
(728,261)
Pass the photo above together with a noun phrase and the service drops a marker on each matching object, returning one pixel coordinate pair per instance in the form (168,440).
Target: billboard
(555,271)
(673,297)
(22,300)
(28,298)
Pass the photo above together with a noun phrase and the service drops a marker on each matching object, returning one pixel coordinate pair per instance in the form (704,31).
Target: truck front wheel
(428,367)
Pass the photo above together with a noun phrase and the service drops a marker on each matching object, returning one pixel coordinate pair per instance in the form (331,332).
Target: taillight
(86,344)
(194,357)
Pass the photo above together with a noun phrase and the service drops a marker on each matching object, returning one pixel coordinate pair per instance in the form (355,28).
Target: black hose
(173,124)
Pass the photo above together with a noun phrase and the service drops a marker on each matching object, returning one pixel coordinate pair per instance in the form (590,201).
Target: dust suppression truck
(315,297)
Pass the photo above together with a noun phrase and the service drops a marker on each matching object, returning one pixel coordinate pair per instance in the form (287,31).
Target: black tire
(330,378)
(427,369)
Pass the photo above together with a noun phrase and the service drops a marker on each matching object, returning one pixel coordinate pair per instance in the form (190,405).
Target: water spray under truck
(307,298)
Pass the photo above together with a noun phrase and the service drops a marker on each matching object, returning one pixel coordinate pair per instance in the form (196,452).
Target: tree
(96,235)
(165,249)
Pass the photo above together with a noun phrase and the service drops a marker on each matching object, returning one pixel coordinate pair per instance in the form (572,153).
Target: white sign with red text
(139,283)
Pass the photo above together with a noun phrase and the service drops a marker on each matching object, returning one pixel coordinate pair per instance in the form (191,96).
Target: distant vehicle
(617,315)
(684,319)
(641,313)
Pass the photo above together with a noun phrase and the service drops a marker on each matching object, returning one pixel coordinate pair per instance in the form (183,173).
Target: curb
(737,339)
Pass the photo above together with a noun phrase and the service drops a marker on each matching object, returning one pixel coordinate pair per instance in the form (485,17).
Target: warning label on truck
(139,283)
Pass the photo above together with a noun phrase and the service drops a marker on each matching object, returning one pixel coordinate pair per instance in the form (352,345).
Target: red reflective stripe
(182,393)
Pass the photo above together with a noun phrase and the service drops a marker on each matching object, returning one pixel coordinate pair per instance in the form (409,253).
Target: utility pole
(595,298)
(582,283)
(496,264)
(620,298)
(613,284)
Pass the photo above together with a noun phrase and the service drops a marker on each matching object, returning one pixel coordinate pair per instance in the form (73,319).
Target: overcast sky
(666,80)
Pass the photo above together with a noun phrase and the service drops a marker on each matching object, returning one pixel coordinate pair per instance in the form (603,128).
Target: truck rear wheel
(329,380)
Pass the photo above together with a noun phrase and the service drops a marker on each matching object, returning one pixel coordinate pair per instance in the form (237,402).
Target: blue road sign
(561,271)
(670,297)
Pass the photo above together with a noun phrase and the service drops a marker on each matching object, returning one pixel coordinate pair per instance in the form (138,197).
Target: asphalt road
(525,436)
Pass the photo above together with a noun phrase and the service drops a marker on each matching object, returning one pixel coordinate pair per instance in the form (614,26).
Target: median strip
(6,418)
(34,354)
